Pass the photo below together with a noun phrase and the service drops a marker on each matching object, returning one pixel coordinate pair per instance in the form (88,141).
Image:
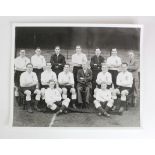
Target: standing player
(77,59)
(133,68)
(84,78)
(20,66)
(57,61)
(114,63)
(124,82)
(54,100)
(95,65)
(38,62)
(103,102)
(29,87)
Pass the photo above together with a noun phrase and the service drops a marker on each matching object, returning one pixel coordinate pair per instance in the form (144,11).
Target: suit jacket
(87,77)
(98,61)
(57,62)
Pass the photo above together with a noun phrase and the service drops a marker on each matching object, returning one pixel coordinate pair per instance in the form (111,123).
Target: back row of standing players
(103,74)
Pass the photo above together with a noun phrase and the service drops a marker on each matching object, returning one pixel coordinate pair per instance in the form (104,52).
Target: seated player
(124,82)
(84,85)
(104,76)
(103,102)
(28,86)
(54,100)
(38,62)
(66,83)
(20,66)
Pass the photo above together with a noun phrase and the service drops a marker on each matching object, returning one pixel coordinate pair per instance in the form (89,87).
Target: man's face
(51,84)
(131,55)
(104,69)
(29,68)
(84,66)
(103,86)
(22,53)
(57,50)
(48,66)
(78,49)
(114,53)
(66,68)
(97,52)
(38,51)
(124,67)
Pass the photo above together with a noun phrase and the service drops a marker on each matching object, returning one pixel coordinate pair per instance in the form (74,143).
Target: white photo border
(14,25)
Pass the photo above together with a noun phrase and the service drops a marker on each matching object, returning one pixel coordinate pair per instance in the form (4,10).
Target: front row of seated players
(65,87)
(114,99)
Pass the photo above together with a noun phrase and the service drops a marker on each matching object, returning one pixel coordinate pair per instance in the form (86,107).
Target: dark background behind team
(67,38)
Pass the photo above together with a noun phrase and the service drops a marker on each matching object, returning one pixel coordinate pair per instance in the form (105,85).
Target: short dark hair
(52,81)
(22,49)
(97,48)
(37,47)
(67,64)
(29,64)
(78,45)
(57,46)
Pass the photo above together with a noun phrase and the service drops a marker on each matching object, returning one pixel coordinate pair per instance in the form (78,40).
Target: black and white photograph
(76,75)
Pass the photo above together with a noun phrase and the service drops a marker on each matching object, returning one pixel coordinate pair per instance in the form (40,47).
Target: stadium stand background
(67,38)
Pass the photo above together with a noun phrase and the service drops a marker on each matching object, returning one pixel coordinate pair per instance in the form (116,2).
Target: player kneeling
(104,101)
(54,100)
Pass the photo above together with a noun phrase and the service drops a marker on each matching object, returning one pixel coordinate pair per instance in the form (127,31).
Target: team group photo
(76,76)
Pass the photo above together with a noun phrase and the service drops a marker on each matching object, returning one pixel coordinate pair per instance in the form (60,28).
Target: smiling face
(22,53)
(114,52)
(57,50)
(38,51)
(78,49)
(48,66)
(97,51)
(29,68)
(124,67)
(104,68)
(66,68)
(131,55)
(51,84)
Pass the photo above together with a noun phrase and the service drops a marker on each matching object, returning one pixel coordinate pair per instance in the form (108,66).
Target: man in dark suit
(84,78)
(58,61)
(95,65)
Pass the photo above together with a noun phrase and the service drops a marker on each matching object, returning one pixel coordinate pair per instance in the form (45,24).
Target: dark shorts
(17,77)
(23,89)
(125,88)
(44,86)
(103,104)
(68,89)
(108,86)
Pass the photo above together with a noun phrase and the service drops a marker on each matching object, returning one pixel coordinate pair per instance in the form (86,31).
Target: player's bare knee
(73,92)
(27,92)
(64,91)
